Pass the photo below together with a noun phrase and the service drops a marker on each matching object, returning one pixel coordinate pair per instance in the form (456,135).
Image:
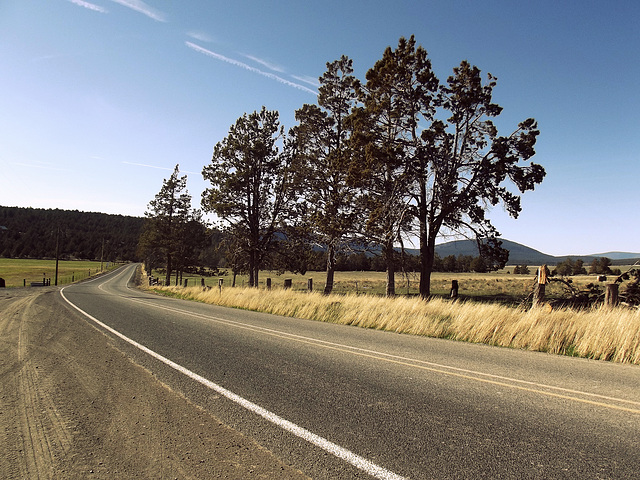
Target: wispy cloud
(264,63)
(90,6)
(203,37)
(141,7)
(313,81)
(237,63)
(158,168)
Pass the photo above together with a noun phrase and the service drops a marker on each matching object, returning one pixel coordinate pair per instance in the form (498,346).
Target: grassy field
(598,333)
(501,287)
(17,272)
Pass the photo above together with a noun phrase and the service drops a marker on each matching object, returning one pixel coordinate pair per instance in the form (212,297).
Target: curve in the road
(340,452)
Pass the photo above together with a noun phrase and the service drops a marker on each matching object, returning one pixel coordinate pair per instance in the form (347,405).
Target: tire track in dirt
(44,434)
(74,406)
(9,401)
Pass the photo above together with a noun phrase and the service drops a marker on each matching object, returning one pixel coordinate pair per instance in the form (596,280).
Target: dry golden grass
(605,334)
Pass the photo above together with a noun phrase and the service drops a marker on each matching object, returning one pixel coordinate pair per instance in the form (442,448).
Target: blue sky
(100,99)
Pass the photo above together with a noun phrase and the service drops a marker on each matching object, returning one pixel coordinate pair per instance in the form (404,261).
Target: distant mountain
(518,254)
(618,255)
(522,255)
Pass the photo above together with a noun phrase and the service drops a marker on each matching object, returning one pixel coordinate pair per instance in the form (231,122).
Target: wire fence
(66,276)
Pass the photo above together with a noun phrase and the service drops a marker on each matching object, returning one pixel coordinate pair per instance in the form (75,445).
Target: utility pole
(101,254)
(57,254)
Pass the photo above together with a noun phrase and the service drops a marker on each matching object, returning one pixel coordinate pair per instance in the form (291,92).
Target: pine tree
(251,189)
(324,160)
(168,214)
(464,165)
(399,93)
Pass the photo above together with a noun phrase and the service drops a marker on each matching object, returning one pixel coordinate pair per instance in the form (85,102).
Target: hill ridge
(29,232)
(520,254)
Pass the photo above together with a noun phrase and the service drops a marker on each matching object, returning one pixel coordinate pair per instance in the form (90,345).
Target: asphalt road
(344,402)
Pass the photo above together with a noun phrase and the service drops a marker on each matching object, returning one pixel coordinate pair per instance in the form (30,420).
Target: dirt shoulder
(73,406)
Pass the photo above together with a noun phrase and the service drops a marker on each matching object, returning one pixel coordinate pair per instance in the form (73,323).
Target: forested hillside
(32,233)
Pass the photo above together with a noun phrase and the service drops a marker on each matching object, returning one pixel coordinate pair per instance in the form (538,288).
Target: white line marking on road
(436,367)
(526,385)
(340,452)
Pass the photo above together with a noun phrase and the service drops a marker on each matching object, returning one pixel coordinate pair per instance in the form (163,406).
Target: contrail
(264,63)
(90,6)
(156,167)
(306,79)
(237,63)
(141,7)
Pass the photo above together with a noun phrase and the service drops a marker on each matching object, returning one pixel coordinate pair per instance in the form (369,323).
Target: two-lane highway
(344,402)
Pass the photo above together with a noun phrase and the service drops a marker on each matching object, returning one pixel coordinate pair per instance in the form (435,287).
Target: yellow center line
(386,358)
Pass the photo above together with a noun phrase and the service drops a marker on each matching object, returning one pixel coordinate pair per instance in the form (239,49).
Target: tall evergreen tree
(251,189)
(168,214)
(193,236)
(398,95)
(324,160)
(464,167)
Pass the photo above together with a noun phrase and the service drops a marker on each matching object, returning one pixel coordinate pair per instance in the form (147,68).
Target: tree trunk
(252,269)
(251,276)
(454,289)
(331,268)
(167,280)
(391,269)
(538,294)
(256,274)
(427,256)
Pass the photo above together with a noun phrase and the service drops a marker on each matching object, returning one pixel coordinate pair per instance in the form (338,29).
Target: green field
(18,272)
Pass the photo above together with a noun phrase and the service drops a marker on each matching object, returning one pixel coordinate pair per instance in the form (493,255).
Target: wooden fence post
(287,283)
(539,292)
(220,282)
(310,284)
(611,295)
(454,289)
(268,284)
